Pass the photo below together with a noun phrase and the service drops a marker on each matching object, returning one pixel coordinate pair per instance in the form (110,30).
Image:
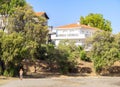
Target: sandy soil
(67,82)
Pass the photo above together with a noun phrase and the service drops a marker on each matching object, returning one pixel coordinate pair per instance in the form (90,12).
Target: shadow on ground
(50,75)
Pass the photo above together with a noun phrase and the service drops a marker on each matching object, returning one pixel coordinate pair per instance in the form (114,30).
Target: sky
(62,12)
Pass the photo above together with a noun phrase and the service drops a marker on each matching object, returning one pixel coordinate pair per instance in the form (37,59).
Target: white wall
(72,34)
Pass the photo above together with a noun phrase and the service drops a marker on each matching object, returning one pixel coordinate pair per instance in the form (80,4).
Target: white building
(76,32)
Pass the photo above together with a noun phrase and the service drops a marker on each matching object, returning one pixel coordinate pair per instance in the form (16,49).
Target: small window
(64,31)
(71,30)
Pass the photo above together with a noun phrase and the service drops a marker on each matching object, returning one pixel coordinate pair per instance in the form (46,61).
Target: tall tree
(96,20)
(8,6)
(25,21)
(12,52)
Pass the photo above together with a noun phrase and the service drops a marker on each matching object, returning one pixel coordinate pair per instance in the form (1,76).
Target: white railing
(80,36)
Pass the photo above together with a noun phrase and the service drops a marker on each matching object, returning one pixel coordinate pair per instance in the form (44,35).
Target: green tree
(8,6)
(25,21)
(1,62)
(69,53)
(96,20)
(12,52)
(104,50)
(26,33)
(117,42)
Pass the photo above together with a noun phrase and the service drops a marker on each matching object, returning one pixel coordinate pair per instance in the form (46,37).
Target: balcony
(80,36)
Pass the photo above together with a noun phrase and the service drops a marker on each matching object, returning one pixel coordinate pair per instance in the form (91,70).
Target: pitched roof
(42,14)
(75,25)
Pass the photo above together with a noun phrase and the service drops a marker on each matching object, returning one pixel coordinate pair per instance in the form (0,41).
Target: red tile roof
(39,13)
(75,25)
(42,14)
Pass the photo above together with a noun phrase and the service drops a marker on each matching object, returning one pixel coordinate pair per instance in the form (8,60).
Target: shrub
(104,50)
(83,56)
(6,73)
(68,52)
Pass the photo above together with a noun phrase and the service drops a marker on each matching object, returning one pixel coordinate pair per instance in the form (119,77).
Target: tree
(25,21)
(69,53)
(8,6)
(96,20)
(104,50)
(12,52)
(25,34)
(117,42)
(1,61)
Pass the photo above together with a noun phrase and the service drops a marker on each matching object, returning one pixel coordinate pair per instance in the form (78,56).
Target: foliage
(68,55)
(25,21)
(26,33)
(83,55)
(8,6)
(117,42)
(11,51)
(15,48)
(104,50)
(96,20)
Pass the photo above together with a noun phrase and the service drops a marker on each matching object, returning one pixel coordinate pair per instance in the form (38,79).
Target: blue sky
(62,12)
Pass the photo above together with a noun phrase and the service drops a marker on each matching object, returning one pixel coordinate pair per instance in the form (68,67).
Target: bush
(105,50)
(6,73)
(68,53)
(9,72)
(83,56)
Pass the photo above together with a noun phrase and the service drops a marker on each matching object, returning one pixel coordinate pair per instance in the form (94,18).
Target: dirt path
(67,82)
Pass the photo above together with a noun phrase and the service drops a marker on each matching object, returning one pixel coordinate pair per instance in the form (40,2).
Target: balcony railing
(80,36)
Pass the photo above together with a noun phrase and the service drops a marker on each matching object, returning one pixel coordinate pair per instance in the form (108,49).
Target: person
(21,74)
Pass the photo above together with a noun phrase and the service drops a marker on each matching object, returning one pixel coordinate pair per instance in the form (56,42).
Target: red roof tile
(75,25)
(42,14)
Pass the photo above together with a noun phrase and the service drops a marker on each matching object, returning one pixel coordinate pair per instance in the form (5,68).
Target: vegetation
(26,39)
(8,6)
(105,50)
(25,34)
(96,20)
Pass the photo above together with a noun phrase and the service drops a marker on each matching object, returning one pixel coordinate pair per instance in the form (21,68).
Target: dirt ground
(66,82)
(53,79)
(4,80)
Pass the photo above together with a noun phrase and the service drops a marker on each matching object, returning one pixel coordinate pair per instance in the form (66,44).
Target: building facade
(76,32)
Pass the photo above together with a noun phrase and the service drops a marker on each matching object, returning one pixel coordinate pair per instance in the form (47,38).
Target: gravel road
(67,82)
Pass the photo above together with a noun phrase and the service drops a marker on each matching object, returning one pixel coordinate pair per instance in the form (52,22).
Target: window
(72,34)
(87,35)
(64,31)
(87,32)
(82,32)
(71,30)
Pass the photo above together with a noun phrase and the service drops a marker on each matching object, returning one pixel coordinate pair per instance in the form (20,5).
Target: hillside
(42,69)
